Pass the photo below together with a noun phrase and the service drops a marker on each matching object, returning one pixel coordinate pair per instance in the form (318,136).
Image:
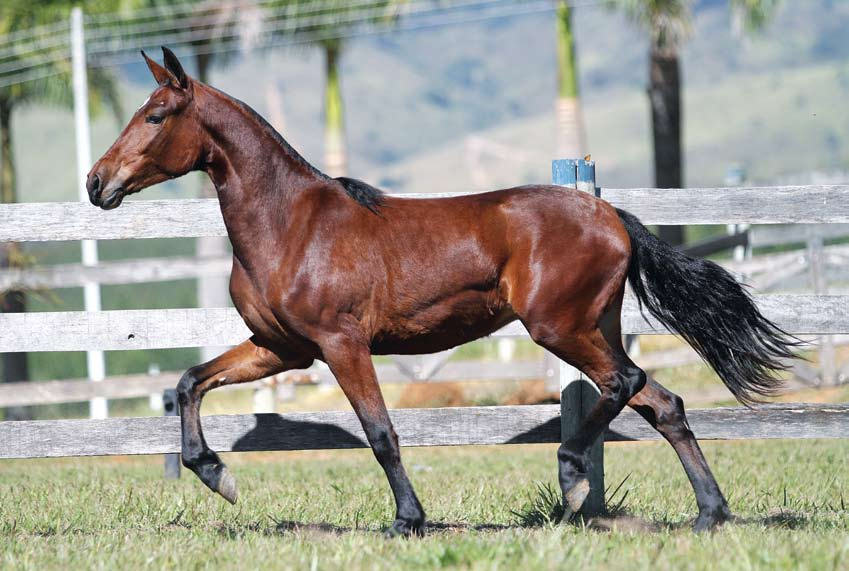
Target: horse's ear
(172,64)
(160,74)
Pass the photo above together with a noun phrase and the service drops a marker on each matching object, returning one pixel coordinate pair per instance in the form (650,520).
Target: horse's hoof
(709,520)
(402,528)
(574,498)
(226,485)
(214,473)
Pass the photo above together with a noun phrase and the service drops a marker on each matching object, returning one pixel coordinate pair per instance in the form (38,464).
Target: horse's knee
(383,441)
(187,384)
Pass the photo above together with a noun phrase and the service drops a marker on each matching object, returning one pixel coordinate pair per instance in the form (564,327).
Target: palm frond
(753,14)
(668,22)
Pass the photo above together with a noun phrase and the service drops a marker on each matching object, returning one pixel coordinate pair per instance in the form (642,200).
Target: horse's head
(163,140)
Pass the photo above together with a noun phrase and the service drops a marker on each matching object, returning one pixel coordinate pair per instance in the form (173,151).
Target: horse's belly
(442,326)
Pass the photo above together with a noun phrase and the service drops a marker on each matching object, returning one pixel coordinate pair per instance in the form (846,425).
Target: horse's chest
(257,305)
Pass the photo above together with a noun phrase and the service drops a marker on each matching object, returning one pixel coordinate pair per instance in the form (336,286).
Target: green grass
(324,510)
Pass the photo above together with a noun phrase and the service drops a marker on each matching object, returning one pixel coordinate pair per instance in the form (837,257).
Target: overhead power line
(114,39)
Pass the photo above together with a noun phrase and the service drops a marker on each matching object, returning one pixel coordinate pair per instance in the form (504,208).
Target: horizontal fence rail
(202,217)
(415,427)
(172,328)
(142,270)
(132,386)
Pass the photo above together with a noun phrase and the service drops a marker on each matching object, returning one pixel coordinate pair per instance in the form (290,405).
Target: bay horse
(332,269)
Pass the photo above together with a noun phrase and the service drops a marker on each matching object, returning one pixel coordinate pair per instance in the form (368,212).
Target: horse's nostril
(93,183)
(94,187)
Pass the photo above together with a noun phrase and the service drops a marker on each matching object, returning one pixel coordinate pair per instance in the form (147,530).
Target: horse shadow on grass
(273,432)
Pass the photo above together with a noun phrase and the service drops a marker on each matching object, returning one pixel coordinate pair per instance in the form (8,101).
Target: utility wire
(114,37)
(178,38)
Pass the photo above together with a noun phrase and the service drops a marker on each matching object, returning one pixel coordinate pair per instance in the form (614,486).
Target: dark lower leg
(664,410)
(351,365)
(196,455)
(409,514)
(243,363)
(574,454)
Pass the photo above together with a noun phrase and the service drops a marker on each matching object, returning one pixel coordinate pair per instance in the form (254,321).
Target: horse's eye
(155,119)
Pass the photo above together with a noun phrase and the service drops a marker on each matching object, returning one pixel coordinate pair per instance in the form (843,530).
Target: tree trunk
(335,158)
(570,143)
(665,97)
(15,366)
(213,291)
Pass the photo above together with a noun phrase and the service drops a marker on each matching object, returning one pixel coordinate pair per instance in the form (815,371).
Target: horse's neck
(255,172)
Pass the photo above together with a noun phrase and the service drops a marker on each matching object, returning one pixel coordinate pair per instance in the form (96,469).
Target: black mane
(363,193)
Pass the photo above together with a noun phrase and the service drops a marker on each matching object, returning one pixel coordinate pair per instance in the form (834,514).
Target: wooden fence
(168,328)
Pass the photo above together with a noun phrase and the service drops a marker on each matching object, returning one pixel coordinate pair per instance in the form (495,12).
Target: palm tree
(570,141)
(335,152)
(55,89)
(668,25)
(335,155)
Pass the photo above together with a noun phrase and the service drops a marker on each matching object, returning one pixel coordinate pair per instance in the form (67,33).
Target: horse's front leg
(350,362)
(241,364)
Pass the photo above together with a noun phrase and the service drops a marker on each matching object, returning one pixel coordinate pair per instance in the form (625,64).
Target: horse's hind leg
(664,410)
(241,364)
(618,381)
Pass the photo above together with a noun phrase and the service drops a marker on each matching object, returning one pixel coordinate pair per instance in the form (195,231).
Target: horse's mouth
(114,200)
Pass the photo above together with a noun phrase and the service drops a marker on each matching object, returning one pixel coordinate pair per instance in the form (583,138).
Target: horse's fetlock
(575,459)
(193,461)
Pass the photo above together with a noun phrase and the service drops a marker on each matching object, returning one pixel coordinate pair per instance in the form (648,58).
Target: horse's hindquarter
(464,267)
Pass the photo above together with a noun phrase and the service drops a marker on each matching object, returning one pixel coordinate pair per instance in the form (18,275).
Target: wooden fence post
(577,393)
(172,461)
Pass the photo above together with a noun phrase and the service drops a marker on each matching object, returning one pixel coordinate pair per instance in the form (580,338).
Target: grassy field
(325,510)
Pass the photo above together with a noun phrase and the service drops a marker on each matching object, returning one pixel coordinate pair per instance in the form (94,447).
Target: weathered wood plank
(794,234)
(774,421)
(744,205)
(49,221)
(122,272)
(415,427)
(131,386)
(799,314)
(171,328)
(121,330)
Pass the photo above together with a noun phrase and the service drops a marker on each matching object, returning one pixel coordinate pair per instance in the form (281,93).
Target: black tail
(706,306)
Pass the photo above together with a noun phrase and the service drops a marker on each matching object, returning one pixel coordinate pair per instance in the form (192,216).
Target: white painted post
(264,398)
(816,261)
(577,393)
(95,362)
